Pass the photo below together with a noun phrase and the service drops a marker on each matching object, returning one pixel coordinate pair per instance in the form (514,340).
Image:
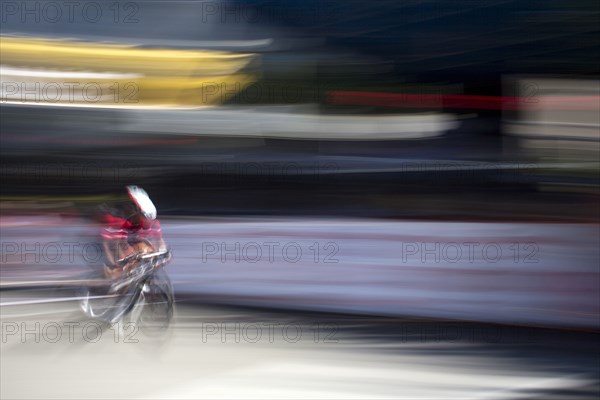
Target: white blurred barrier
(288,123)
(522,273)
(557,117)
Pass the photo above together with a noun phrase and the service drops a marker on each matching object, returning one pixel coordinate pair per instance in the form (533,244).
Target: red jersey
(115,228)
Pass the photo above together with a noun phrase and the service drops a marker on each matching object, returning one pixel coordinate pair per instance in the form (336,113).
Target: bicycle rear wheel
(159,308)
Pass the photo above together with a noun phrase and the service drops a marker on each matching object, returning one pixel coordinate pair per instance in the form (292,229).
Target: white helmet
(142,201)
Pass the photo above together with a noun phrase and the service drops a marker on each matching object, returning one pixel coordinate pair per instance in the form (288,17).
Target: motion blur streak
(463,101)
(356,199)
(36,71)
(527,273)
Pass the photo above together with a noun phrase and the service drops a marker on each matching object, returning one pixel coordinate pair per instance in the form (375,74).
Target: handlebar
(146,256)
(150,262)
(155,254)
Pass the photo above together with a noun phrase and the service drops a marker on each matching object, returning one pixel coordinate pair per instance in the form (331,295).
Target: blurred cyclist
(128,231)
